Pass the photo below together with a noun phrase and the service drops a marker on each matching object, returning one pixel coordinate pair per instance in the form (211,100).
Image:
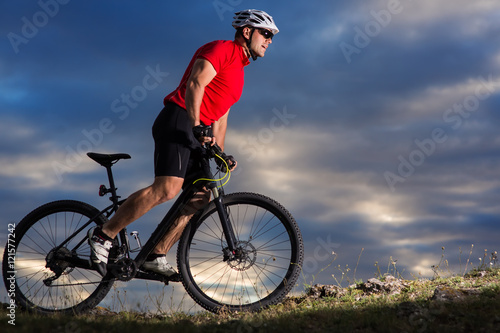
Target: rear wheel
(43,281)
(264,267)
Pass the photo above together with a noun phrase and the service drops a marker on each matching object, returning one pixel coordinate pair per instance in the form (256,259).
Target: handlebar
(214,151)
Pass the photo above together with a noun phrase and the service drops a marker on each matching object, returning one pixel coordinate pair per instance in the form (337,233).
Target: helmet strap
(249,41)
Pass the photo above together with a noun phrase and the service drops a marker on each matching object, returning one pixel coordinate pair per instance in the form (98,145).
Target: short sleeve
(216,52)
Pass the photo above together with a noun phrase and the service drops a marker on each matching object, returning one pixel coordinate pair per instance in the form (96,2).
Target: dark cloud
(351,119)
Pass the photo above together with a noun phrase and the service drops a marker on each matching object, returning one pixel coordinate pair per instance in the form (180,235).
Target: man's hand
(204,134)
(231,163)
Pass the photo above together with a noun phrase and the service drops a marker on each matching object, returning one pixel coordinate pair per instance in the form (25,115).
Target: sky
(373,122)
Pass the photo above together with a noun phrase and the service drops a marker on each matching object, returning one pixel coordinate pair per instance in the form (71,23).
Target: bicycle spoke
(203,262)
(46,281)
(259,268)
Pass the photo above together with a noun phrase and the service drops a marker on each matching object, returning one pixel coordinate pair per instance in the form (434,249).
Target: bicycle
(241,252)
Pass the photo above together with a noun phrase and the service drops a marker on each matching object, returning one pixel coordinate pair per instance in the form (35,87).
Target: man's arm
(201,75)
(219,130)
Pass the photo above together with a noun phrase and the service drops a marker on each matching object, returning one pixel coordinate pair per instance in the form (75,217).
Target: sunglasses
(266,33)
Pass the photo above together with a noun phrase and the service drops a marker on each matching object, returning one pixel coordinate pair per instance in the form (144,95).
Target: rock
(445,293)
(321,291)
(101,311)
(372,286)
(315,291)
(391,285)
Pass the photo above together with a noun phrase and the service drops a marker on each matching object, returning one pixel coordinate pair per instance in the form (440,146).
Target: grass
(413,309)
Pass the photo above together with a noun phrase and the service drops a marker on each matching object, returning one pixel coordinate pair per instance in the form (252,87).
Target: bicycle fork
(227,227)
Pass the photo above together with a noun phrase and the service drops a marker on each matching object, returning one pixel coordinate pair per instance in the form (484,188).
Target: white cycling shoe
(160,266)
(99,250)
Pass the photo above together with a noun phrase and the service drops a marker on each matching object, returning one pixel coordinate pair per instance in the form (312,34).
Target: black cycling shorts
(175,146)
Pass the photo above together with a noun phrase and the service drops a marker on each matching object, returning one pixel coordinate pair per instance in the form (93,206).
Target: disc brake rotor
(244,257)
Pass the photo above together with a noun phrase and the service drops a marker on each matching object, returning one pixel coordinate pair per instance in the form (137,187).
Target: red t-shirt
(229,60)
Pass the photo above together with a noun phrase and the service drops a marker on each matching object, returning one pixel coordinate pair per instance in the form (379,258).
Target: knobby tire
(76,290)
(271,255)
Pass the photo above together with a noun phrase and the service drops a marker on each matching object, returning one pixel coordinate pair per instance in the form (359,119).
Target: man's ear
(247,31)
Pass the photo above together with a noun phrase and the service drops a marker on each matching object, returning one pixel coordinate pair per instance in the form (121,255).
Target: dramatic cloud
(375,123)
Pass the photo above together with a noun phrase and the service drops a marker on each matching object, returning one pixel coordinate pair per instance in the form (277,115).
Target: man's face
(261,39)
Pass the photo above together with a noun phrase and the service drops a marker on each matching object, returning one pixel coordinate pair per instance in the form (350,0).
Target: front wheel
(33,268)
(265,266)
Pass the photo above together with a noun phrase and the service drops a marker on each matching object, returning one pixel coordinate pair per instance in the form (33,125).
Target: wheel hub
(54,260)
(244,257)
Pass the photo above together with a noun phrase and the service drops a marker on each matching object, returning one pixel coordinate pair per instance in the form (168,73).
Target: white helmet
(254,18)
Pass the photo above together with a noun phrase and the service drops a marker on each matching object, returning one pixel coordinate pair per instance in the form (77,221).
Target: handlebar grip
(228,158)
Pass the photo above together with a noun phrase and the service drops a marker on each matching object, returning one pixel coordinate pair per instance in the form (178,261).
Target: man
(212,83)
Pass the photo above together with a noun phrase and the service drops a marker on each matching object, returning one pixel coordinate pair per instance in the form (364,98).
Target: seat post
(112,188)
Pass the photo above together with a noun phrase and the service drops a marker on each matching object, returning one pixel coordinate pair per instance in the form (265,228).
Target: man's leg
(198,201)
(139,203)
(157,260)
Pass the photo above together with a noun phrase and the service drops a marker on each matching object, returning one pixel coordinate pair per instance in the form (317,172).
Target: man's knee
(163,197)
(166,188)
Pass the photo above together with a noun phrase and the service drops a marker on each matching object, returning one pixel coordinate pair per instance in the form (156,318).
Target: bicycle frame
(181,202)
(205,181)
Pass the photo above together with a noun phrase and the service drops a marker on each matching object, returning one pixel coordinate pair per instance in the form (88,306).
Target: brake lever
(216,150)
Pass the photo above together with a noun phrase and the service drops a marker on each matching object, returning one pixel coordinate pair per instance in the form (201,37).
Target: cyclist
(195,112)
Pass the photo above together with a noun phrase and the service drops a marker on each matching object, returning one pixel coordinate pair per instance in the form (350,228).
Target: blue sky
(374,122)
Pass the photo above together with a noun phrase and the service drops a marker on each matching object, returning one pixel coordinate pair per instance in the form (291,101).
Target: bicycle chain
(81,283)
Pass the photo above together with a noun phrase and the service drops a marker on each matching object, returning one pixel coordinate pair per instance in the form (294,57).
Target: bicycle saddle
(107,159)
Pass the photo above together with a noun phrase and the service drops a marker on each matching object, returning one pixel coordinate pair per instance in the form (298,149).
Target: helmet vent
(259,17)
